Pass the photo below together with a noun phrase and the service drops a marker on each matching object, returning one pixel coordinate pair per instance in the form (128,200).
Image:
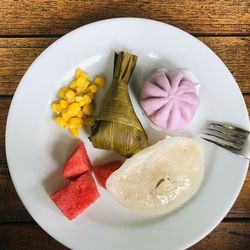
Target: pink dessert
(169,100)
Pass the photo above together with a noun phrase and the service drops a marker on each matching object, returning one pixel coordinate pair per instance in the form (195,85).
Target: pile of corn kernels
(75,107)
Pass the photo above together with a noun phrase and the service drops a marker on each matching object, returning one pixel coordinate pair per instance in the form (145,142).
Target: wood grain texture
(26,236)
(235,53)
(11,208)
(18,53)
(227,236)
(27,17)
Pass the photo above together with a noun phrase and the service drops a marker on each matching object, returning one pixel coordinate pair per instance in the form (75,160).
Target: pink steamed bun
(169,100)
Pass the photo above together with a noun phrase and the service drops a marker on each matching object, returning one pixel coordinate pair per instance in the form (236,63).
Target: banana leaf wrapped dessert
(117,127)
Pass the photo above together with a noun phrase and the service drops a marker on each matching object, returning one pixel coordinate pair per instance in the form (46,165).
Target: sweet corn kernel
(56,108)
(92,88)
(74,132)
(80,114)
(60,121)
(75,122)
(70,96)
(63,104)
(85,100)
(79,90)
(74,108)
(79,98)
(80,72)
(73,85)
(88,109)
(82,83)
(91,95)
(89,120)
(62,92)
(100,81)
(66,115)
(80,80)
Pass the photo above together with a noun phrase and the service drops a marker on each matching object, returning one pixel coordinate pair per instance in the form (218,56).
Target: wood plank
(235,53)
(26,236)
(227,236)
(58,17)
(11,208)
(16,56)
(18,53)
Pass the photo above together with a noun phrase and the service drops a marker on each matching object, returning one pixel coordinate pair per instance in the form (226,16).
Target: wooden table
(27,27)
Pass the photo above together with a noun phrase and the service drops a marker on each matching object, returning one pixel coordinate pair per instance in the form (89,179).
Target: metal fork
(228,137)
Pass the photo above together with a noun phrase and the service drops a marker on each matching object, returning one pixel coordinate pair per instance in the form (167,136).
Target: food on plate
(159,178)
(103,172)
(75,107)
(78,163)
(117,127)
(169,100)
(76,196)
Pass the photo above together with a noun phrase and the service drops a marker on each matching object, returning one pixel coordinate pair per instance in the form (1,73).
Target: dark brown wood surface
(31,17)
(28,27)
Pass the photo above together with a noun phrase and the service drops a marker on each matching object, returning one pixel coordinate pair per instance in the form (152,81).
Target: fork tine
(225,130)
(228,127)
(225,137)
(227,147)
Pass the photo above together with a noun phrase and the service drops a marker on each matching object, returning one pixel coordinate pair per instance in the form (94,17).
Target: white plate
(36,148)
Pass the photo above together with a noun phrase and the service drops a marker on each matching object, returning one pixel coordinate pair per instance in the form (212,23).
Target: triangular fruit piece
(76,196)
(103,172)
(78,163)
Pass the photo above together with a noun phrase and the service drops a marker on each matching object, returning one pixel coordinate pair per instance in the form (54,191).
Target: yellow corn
(79,98)
(100,81)
(74,104)
(73,85)
(74,132)
(82,83)
(75,122)
(60,121)
(62,92)
(85,100)
(79,90)
(70,96)
(80,114)
(89,120)
(56,108)
(80,80)
(74,108)
(63,104)
(66,115)
(92,89)
(80,72)
(88,109)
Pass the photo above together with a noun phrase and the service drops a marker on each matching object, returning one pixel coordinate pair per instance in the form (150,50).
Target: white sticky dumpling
(159,178)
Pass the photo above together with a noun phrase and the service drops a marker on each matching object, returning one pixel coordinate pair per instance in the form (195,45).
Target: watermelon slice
(78,163)
(76,196)
(103,172)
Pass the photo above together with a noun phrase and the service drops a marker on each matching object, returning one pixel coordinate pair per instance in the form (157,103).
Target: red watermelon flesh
(103,172)
(76,196)
(78,163)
